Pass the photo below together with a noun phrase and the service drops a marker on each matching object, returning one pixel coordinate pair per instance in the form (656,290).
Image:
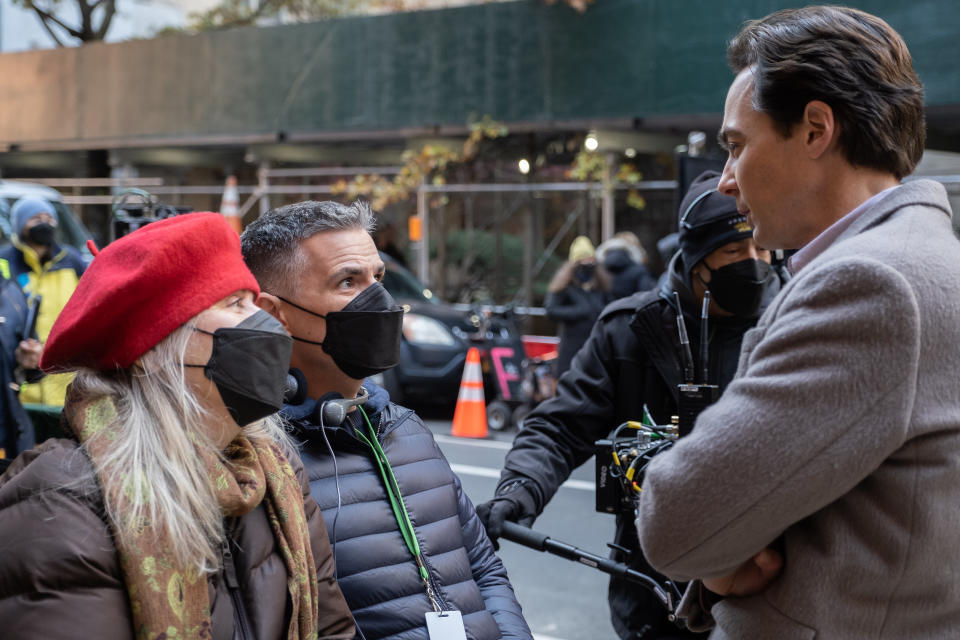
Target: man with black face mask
(46,270)
(632,359)
(407,541)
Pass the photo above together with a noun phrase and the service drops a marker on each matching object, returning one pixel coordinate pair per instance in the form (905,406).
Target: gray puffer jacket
(375,569)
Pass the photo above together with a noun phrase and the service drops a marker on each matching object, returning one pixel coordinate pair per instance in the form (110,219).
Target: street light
(524,166)
(591,143)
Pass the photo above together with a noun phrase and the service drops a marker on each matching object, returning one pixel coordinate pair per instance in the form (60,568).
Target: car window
(5,229)
(69,230)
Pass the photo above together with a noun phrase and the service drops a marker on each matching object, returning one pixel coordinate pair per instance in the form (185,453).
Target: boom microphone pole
(542,542)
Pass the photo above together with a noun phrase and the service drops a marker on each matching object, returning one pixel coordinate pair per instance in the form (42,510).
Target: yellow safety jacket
(54,280)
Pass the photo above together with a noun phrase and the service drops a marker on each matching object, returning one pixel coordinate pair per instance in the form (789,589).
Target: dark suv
(436,338)
(434,345)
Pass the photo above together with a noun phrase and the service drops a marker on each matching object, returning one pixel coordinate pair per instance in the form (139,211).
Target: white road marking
(540,636)
(474,442)
(487,472)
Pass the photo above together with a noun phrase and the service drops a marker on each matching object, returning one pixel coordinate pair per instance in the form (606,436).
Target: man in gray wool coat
(820,496)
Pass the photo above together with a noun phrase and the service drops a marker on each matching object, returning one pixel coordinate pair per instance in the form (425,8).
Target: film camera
(134,208)
(621,461)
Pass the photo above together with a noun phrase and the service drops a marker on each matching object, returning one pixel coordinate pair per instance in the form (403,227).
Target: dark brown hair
(852,61)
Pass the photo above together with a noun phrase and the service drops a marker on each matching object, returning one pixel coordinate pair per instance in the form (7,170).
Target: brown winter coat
(60,576)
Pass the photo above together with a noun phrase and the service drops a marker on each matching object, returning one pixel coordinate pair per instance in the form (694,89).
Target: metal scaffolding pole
(498,245)
(263,179)
(423,258)
(440,285)
(607,202)
(529,241)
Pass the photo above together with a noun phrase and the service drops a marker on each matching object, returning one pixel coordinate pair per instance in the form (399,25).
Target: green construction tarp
(520,62)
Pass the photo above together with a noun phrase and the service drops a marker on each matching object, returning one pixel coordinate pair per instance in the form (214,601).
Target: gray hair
(271,245)
(153,452)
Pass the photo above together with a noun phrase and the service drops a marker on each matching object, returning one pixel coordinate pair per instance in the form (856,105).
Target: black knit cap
(708,220)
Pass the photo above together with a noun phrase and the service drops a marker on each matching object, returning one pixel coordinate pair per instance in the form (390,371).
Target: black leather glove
(514,502)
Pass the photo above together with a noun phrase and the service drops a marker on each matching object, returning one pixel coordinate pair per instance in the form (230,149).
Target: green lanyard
(396,503)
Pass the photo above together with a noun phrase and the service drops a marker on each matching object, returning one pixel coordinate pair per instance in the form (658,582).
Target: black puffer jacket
(375,570)
(631,359)
(16,430)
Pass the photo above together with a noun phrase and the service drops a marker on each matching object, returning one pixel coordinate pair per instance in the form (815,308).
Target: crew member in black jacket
(632,358)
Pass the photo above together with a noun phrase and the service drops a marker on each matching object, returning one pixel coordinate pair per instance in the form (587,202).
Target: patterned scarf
(170,602)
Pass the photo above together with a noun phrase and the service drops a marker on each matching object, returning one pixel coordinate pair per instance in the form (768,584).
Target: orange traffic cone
(229,205)
(470,417)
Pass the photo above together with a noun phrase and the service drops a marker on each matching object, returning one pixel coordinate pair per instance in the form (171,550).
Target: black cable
(705,338)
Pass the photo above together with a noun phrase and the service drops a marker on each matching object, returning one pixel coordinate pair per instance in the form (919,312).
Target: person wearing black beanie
(631,359)
(718,253)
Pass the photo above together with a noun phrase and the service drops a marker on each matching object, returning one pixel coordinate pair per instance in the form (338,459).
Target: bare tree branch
(225,14)
(49,31)
(46,16)
(111,10)
(86,22)
(49,13)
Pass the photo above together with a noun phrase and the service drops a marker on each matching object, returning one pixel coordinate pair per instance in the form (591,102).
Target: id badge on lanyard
(445,625)
(441,625)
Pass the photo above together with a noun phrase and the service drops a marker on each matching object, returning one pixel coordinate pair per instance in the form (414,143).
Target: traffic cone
(229,205)
(470,416)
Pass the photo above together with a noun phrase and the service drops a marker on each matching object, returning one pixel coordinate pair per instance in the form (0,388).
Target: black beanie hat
(708,220)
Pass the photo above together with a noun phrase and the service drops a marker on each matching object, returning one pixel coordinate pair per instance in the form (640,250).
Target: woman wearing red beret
(178,508)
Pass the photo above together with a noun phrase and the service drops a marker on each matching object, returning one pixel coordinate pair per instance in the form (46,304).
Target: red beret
(140,288)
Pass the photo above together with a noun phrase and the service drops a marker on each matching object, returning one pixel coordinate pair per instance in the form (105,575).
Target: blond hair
(159,426)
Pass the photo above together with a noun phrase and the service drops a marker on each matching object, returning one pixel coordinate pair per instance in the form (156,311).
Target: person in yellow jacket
(42,268)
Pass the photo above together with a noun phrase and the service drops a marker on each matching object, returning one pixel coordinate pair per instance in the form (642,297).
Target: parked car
(436,337)
(433,351)
(70,230)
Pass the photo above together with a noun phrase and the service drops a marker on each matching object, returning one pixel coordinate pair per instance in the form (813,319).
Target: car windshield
(403,285)
(69,230)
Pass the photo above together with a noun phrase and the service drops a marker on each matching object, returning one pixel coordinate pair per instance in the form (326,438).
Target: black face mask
(41,234)
(249,365)
(584,272)
(739,287)
(363,338)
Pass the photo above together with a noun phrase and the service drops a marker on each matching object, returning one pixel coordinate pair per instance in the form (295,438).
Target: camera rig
(134,208)
(622,461)
(667,592)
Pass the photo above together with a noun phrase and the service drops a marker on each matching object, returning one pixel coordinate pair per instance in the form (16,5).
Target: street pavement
(561,599)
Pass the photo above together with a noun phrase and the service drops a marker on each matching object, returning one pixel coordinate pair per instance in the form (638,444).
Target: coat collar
(926,193)
(32,259)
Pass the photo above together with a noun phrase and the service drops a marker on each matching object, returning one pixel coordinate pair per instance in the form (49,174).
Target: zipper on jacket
(241,624)
(397,421)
